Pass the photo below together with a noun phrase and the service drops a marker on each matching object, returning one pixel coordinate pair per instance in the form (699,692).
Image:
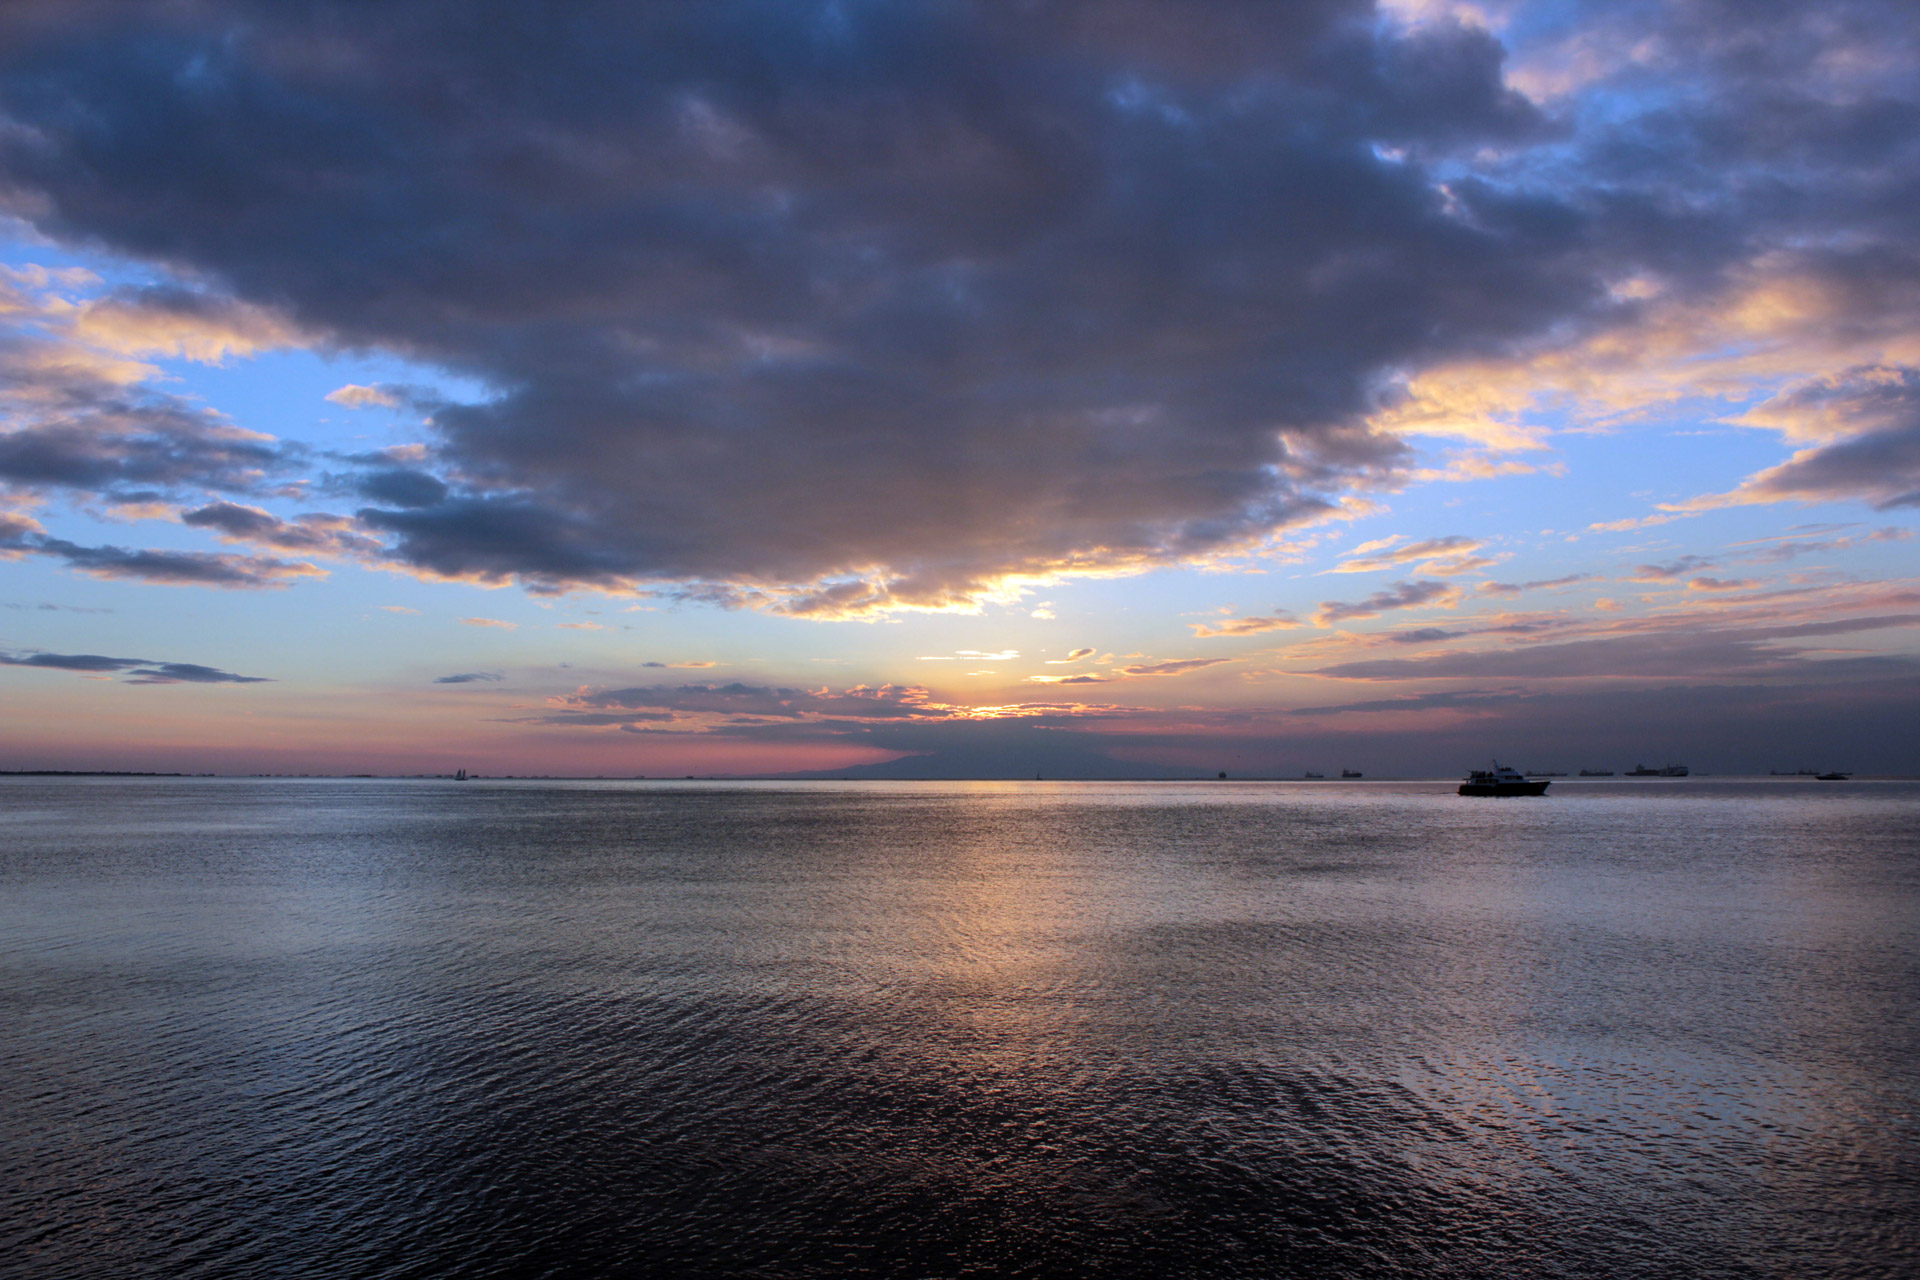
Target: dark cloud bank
(1743,699)
(1871,721)
(827,307)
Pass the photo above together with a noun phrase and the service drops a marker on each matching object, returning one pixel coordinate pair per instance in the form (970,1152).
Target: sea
(419,1028)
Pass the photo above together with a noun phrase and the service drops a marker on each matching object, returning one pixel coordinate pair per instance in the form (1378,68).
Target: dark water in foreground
(424,1029)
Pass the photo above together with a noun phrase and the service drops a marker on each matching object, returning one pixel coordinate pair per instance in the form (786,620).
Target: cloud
(22,536)
(1671,570)
(489,622)
(1280,621)
(71,661)
(82,419)
(1634,522)
(689,666)
(901,310)
(1461,700)
(167,320)
(1862,400)
(1413,594)
(1791,547)
(469,677)
(926,306)
(316,533)
(1423,635)
(1449,554)
(1538,584)
(355,396)
(188,673)
(34,275)
(94,442)
(1173,667)
(401,487)
(582,626)
(776,714)
(1866,422)
(1506,626)
(1176,667)
(1691,653)
(399,608)
(861,702)
(1458,565)
(1721,584)
(179,568)
(137,670)
(1481,466)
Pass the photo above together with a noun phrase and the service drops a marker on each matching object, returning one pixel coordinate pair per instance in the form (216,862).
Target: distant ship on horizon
(459,775)
(1596,773)
(1665,771)
(1502,781)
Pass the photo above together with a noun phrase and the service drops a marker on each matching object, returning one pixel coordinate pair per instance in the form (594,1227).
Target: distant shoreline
(101,773)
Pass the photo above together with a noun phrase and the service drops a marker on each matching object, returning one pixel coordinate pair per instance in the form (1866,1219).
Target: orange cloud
(177,322)
(1245,626)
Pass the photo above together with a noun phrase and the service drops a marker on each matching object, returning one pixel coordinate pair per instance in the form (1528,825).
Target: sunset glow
(1375,386)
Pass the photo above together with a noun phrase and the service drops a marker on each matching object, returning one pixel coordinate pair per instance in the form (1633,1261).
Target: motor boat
(1503,781)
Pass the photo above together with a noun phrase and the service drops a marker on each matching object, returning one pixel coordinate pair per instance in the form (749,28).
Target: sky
(1119,388)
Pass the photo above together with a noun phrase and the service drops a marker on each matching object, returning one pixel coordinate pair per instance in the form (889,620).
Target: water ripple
(339,1029)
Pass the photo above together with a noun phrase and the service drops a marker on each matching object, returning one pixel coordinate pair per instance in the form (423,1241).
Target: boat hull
(1504,788)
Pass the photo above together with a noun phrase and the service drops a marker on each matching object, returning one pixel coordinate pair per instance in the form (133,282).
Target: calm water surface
(400,1029)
